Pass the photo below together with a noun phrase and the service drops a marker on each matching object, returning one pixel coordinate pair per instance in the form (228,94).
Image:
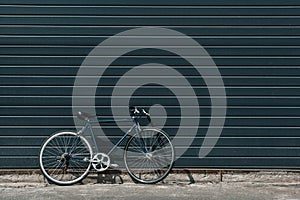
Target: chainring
(101,162)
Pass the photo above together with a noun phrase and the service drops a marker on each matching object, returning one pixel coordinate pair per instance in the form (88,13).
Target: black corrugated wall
(255,45)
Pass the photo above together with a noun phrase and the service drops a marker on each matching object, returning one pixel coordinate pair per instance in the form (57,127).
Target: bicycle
(66,157)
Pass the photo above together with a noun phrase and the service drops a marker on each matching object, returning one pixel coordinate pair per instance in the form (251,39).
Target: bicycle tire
(65,158)
(145,162)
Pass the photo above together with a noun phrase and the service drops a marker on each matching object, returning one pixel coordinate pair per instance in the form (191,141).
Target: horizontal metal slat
(67,101)
(171,121)
(92,41)
(241,163)
(30,30)
(192,152)
(261,131)
(128,61)
(150,51)
(71,71)
(150,21)
(161,2)
(242,111)
(222,142)
(18,91)
(132,81)
(149,10)
(245,152)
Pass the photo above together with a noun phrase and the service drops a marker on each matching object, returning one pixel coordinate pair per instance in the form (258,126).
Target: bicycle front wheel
(149,156)
(65,158)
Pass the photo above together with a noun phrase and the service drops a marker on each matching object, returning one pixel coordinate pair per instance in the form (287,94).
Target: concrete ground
(239,186)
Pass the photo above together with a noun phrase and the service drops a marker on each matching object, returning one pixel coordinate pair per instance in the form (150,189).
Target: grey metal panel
(149,21)
(212,50)
(278,71)
(108,80)
(245,131)
(105,101)
(148,11)
(154,3)
(255,45)
(191,31)
(91,41)
(172,121)
(242,163)
(217,162)
(243,111)
(130,61)
(234,91)
(257,142)
(217,152)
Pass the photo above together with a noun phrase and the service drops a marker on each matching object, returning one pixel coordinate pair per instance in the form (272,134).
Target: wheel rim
(150,158)
(65,158)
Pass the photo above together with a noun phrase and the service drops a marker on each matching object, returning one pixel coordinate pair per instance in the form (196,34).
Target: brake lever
(148,116)
(136,111)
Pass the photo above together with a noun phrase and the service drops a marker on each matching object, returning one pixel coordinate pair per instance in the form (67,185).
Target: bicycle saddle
(85,116)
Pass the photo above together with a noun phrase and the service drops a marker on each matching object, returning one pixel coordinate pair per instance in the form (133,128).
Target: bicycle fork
(141,140)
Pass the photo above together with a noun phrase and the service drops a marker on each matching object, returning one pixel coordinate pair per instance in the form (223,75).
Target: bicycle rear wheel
(65,158)
(149,156)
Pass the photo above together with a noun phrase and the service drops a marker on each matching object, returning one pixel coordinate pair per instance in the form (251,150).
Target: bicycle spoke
(56,145)
(154,164)
(51,152)
(63,158)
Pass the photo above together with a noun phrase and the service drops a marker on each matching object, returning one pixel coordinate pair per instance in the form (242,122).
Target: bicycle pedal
(114,165)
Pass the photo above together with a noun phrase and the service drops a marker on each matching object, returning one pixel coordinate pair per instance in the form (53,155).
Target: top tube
(109,120)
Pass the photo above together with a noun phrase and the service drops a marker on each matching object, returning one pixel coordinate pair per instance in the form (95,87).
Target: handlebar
(136,112)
